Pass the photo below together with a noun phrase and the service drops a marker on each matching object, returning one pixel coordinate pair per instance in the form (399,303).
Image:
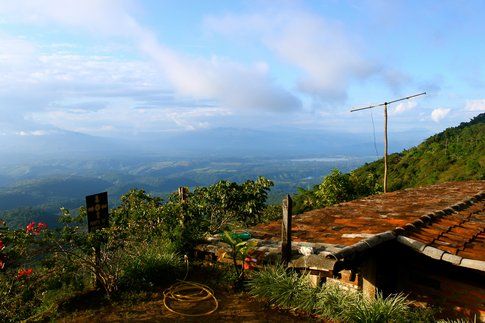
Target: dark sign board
(97,208)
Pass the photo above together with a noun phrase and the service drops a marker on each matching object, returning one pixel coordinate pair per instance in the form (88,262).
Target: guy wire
(374,128)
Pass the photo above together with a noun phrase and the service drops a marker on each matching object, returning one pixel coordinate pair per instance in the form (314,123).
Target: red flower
(2,246)
(24,273)
(30,227)
(249,263)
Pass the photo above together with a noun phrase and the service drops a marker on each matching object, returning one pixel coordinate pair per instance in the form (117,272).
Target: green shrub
(150,264)
(33,278)
(335,188)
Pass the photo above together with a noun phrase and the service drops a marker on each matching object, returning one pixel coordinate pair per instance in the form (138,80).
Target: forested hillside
(455,154)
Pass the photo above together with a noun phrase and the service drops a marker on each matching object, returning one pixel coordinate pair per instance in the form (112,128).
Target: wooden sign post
(97,209)
(98,218)
(286,230)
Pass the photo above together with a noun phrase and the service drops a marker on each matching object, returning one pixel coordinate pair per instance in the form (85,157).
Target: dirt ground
(233,307)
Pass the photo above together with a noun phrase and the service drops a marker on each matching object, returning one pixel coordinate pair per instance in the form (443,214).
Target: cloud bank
(320,49)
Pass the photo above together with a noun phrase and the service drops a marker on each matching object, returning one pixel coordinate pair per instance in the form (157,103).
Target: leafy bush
(271,212)
(225,204)
(33,278)
(335,188)
(306,200)
(150,264)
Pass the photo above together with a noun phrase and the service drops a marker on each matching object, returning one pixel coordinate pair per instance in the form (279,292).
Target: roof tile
(449,217)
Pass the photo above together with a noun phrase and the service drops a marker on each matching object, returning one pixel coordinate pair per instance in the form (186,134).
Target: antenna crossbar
(386,103)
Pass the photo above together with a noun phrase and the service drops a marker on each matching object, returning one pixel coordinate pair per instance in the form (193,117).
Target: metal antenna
(385,104)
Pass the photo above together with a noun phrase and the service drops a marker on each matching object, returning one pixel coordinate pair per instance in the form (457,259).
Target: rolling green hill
(455,154)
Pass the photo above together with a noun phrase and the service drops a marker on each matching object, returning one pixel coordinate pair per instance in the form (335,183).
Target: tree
(335,188)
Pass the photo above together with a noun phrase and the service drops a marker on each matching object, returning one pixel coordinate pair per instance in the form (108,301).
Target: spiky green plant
(333,301)
(286,289)
(393,308)
(290,290)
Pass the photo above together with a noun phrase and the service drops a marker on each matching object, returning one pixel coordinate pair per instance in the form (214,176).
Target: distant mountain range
(27,147)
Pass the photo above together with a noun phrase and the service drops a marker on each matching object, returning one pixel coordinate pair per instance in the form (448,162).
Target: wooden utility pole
(385,147)
(385,104)
(286,230)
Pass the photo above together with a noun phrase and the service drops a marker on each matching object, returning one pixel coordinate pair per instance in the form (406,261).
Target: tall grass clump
(289,290)
(285,289)
(393,308)
(333,302)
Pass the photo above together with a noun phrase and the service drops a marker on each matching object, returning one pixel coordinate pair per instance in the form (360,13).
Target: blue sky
(121,68)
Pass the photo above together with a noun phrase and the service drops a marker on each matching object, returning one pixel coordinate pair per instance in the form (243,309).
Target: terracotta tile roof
(421,214)
(460,233)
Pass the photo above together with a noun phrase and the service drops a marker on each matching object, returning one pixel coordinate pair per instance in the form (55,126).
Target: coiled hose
(189,292)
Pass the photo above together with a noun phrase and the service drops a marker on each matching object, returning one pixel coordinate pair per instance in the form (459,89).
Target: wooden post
(97,261)
(385,147)
(286,230)
(183,192)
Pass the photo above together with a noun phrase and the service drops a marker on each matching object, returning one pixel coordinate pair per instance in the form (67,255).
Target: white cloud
(475,105)
(100,16)
(320,49)
(439,113)
(193,119)
(121,119)
(403,107)
(234,85)
(53,79)
(14,51)
(35,133)
(231,84)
